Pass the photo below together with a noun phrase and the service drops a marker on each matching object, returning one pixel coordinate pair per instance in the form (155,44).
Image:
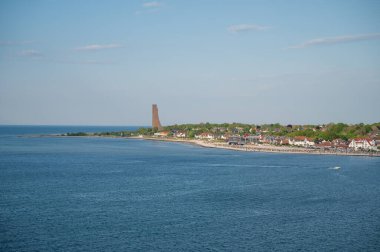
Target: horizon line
(149,126)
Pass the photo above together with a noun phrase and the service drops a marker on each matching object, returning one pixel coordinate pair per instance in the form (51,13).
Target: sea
(118,194)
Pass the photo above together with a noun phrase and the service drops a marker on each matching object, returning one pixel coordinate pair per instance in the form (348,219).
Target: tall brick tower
(155,119)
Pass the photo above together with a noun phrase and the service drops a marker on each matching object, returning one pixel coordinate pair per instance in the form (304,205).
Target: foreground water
(98,194)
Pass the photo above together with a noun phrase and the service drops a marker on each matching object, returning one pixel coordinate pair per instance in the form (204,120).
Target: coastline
(266,148)
(258,148)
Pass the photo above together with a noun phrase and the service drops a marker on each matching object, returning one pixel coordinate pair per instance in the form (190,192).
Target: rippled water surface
(98,194)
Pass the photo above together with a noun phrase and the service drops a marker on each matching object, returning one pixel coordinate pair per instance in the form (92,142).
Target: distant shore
(261,147)
(267,148)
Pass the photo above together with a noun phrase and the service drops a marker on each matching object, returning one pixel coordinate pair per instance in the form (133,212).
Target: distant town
(332,138)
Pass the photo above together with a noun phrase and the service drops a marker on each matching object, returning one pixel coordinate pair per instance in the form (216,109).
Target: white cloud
(246,27)
(149,7)
(30,53)
(97,47)
(153,4)
(336,40)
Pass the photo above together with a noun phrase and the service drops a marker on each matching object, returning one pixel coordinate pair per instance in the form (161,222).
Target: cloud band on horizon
(153,4)
(30,53)
(246,27)
(336,40)
(97,47)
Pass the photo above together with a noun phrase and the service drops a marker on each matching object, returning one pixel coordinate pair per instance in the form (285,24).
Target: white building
(363,144)
(301,141)
(161,134)
(207,136)
(180,134)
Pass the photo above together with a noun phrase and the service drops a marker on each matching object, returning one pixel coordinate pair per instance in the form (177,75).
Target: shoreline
(258,148)
(265,148)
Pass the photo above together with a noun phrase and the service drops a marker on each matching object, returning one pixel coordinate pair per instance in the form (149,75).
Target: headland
(325,139)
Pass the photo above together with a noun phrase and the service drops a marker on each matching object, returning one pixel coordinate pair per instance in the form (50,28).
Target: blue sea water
(103,194)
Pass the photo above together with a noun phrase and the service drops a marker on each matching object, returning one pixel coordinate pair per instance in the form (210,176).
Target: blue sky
(106,62)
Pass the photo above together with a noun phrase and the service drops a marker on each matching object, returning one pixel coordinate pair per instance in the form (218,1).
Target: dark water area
(100,194)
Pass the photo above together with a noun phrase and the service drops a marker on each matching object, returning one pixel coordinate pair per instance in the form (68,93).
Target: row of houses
(302,141)
(356,144)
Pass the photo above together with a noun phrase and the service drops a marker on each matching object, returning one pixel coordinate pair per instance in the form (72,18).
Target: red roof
(362,140)
(325,144)
(302,138)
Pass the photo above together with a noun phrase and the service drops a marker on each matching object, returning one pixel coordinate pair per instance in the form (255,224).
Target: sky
(70,62)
